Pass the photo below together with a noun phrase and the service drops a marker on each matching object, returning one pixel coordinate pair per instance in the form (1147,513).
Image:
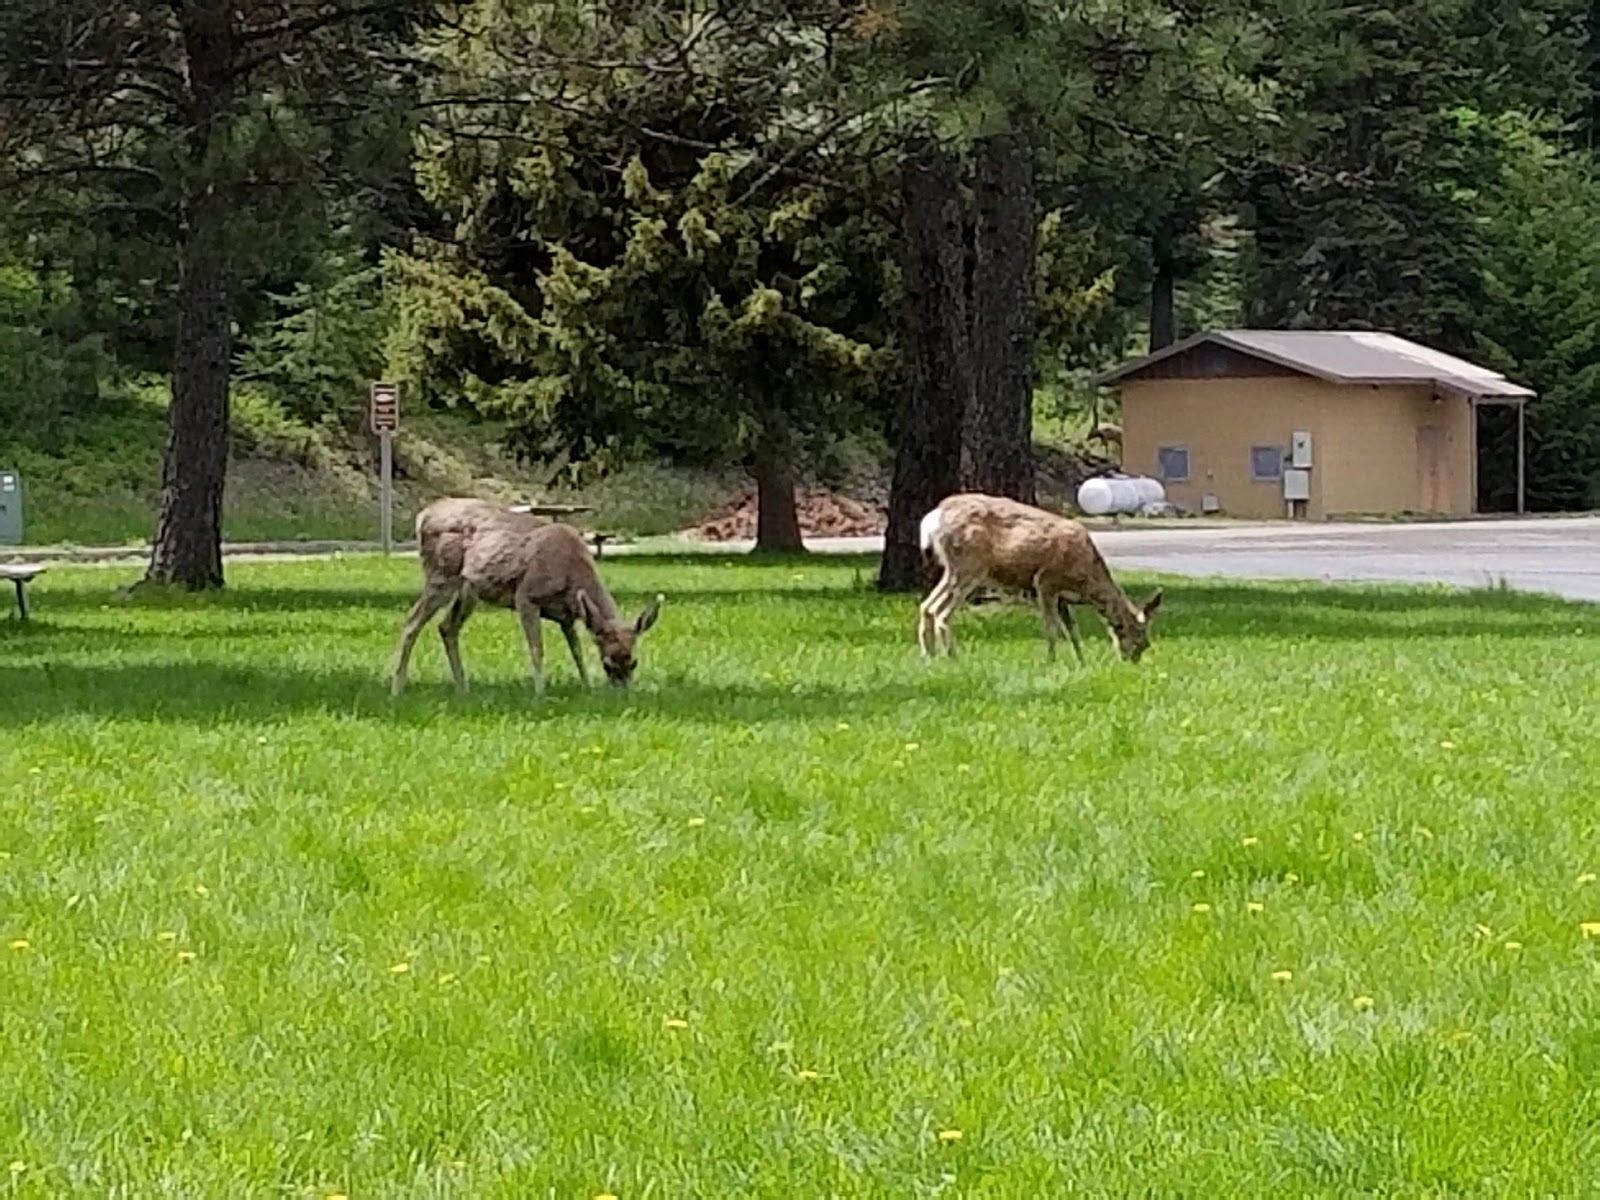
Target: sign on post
(384,411)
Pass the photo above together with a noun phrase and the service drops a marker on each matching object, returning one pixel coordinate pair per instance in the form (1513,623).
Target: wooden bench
(21,574)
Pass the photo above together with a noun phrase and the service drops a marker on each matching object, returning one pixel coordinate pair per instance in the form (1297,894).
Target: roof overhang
(1506,393)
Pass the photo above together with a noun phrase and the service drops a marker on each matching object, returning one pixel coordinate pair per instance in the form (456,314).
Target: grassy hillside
(95,482)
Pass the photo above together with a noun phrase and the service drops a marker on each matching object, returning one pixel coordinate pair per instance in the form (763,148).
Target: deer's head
(617,639)
(1133,636)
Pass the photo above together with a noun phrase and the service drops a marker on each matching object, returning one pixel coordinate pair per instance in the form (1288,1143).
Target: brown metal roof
(1344,356)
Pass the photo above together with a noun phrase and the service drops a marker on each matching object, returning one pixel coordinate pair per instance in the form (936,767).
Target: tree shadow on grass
(209,694)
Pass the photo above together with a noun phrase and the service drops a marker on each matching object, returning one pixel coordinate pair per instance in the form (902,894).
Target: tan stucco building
(1266,423)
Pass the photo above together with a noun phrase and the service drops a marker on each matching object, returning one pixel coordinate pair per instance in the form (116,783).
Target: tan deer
(474,551)
(981,539)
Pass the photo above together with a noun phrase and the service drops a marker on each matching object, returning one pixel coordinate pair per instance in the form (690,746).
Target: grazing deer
(981,539)
(473,550)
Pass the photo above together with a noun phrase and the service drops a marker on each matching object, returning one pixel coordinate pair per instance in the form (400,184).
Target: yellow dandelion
(1513,945)
(1197,873)
(1254,906)
(484,960)
(331,1195)
(1358,836)
(949,1135)
(675,1023)
(1291,877)
(201,890)
(18,1166)
(806,1076)
(167,935)
(446,979)
(605,1196)
(1282,976)
(963,768)
(400,968)
(19,943)
(1202,908)
(1586,877)
(696,822)
(1447,745)
(1362,1003)
(912,747)
(1250,841)
(1590,929)
(1484,931)
(185,955)
(842,726)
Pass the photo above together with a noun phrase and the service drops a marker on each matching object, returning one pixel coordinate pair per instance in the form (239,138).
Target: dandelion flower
(842,726)
(167,935)
(605,1196)
(1484,931)
(1362,1003)
(913,746)
(1447,745)
(676,1023)
(484,960)
(1358,836)
(1291,877)
(949,1135)
(1202,908)
(1590,929)
(1282,976)
(1586,877)
(1513,945)
(1254,906)
(19,944)
(201,890)
(806,1076)
(446,979)
(185,955)
(18,1166)
(400,968)
(696,822)
(1250,841)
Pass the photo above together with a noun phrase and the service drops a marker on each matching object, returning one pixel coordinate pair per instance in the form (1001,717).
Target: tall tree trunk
(999,420)
(1163,315)
(188,542)
(927,465)
(777,521)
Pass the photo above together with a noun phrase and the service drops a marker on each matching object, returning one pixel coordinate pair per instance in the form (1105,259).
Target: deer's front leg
(531,618)
(576,646)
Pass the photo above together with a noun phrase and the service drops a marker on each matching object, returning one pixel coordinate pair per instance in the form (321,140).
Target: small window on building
(1266,463)
(1173,463)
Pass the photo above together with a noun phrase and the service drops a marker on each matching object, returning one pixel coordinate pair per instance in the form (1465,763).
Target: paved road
(1560,556)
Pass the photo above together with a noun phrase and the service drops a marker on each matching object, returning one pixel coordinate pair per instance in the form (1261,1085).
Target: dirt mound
(823,513)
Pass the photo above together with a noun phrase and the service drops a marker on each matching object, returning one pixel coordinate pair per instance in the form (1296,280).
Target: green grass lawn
(1298,905)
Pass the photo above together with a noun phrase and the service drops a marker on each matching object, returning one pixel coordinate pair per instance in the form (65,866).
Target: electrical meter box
(10,508)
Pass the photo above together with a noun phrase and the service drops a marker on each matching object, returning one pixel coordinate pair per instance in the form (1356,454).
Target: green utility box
(10,508)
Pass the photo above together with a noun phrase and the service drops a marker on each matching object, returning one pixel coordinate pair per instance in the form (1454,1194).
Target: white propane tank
(1094,496)
(1119,494)
(1150,490)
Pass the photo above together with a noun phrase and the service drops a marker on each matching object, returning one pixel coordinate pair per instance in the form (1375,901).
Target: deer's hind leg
(450,634)
(927,631)
(952,598)
(435,595)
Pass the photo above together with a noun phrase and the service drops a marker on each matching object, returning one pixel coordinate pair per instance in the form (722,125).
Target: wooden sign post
(384,409)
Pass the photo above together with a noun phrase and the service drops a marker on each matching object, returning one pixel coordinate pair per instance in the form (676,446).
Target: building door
(1433,469)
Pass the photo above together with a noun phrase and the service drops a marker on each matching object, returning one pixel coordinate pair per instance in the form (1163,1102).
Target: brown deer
(981,539)
(474,551)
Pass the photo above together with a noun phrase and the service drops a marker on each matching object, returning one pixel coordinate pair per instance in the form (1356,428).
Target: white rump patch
(931,525)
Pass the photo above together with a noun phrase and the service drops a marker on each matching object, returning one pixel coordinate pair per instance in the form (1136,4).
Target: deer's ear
(580,601)
(648,617)
(1148,608)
